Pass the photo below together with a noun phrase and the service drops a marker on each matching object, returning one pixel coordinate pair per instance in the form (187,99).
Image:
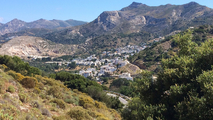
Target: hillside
(25,95)
(182,90)
(134,25)
(150,58)
(16,25)
(137,17)
(28,46)
(130,68)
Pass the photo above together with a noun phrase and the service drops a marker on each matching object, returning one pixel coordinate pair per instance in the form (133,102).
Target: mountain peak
(42,19)
(135,4)
(16,21)
(191,3)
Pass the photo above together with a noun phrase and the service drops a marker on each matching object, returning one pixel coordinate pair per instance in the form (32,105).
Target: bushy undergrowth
(37,97)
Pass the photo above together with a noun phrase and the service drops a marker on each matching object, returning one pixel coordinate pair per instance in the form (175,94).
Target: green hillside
(26,95)
(183,88)
(151,57)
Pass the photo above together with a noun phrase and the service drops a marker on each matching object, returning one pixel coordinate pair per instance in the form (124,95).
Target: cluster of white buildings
(126,75)
(89,61)
(107,66)
(130,49)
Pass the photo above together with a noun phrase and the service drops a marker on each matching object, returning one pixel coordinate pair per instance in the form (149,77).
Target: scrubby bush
(100,105)
(61,104)
(78,113)
(64,117)
(11,89)
(83,100)
(41,86)
(29,82)
(36,90)
(72,100)
(22,97)
(45,112)
(36,104)
(16,76)
(55,91)
(1,87)
(6,95)
(3,67)
(43,96)
(100,116)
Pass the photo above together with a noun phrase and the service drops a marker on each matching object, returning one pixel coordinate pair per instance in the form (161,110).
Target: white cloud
(1,19)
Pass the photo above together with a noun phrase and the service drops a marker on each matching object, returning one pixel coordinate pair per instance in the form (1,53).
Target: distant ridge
(16,25)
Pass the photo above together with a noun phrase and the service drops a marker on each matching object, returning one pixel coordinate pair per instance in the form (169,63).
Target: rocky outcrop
(28,46)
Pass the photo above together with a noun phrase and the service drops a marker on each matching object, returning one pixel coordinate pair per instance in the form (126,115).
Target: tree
(184,86)
(72,65)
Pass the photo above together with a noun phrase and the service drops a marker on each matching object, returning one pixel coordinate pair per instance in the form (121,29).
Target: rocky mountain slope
(28,46)
(137,17)
(16,25)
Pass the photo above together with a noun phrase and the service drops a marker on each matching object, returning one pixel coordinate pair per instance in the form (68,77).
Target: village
(103,66)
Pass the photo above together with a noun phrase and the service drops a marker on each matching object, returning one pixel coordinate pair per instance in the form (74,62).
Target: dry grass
(25,103)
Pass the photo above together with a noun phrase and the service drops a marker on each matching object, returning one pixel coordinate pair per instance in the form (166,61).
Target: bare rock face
(27,46)
(138,20)
(108,19)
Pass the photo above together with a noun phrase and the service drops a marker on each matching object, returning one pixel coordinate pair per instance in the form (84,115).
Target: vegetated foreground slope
(183,88)
(28,95)
(28,46)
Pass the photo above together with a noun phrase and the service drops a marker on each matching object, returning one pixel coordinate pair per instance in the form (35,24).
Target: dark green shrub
(61,104)
(29,82)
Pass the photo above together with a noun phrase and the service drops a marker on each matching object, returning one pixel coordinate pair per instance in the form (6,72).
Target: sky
(83,10)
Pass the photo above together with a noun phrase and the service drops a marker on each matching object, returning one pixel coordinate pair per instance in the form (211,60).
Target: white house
(126,75)
(122,63)
(87,73)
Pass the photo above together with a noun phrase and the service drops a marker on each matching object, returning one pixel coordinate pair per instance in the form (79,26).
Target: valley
(139,62)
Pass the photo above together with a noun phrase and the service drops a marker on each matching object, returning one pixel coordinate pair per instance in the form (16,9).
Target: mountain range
(137,17)
(16,25)
(134,24)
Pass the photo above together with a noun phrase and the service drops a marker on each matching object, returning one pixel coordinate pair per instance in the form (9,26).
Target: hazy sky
(84,10)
